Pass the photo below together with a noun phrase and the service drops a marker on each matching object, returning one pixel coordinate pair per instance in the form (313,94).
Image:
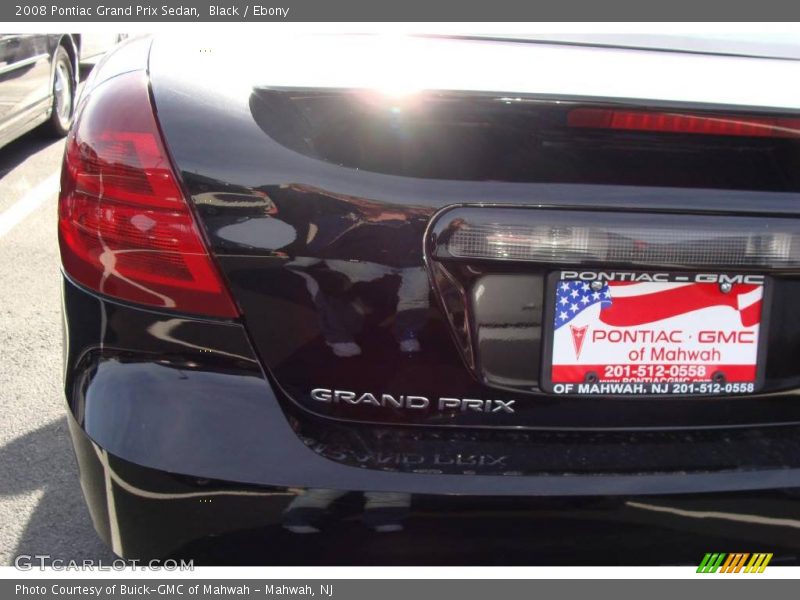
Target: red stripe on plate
(628,311)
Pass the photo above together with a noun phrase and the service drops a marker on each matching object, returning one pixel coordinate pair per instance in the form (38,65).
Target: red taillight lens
(669,122)
(125,228)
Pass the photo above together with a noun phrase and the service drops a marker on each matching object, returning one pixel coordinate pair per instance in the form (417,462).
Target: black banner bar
(731,586)
(33,11)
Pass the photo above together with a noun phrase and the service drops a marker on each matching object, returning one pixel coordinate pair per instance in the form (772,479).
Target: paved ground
(41,507)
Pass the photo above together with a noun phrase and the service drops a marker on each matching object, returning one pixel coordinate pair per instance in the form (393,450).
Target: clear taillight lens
(615,238)
(125,228)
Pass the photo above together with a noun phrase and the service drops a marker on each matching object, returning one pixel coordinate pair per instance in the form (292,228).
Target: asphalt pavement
(41,506)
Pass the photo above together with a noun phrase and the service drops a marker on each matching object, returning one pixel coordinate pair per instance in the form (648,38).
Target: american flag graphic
(624,304)
(573,297)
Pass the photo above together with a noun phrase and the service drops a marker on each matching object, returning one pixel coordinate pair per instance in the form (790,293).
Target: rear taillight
(125,228)
(679,122)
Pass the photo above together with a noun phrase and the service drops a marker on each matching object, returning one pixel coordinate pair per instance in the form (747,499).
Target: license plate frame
(679,386)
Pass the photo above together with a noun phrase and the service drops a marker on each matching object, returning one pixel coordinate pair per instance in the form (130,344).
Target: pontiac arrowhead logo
(578,335)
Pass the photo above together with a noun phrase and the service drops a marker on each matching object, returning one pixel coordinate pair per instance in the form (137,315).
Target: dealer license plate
(625,333)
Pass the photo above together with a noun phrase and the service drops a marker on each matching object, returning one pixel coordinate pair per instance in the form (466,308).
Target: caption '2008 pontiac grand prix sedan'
(348,283)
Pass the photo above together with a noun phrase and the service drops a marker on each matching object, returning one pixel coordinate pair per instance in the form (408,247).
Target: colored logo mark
(736,562)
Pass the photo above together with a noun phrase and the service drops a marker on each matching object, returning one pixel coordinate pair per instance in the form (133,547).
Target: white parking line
(28,203)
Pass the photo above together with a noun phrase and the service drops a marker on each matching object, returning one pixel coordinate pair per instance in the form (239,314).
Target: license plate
(625,333)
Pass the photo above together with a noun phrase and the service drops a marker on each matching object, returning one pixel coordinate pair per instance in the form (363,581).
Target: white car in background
(39,75)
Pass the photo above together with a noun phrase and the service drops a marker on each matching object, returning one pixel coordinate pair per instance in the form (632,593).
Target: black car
(39,76)
(451,289)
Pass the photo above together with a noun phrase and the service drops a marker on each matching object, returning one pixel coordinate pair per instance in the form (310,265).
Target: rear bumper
(144,513)
(182,406)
